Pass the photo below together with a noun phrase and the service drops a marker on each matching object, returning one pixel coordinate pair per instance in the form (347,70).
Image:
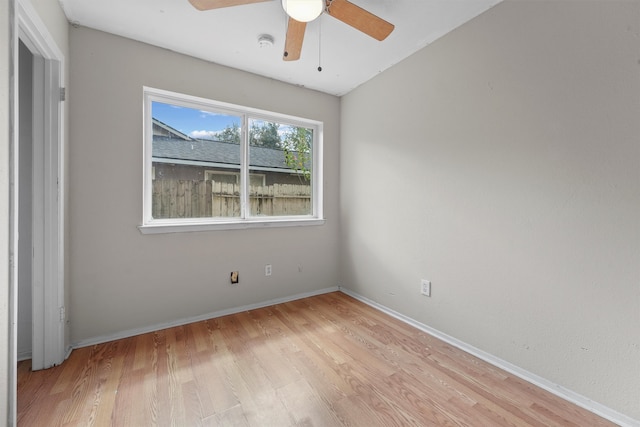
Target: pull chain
(320,43)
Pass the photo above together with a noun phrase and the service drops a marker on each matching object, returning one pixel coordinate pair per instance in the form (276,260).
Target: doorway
(37,215)
(25,202)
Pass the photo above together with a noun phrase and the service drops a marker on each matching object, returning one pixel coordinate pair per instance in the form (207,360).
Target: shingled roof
(217,152)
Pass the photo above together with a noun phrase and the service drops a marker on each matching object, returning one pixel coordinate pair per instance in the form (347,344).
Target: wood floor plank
(327,381)
(106,393)
(86,385)
(305,405)
(133,393)
(200,334)
(327,360)
(232,417)
(72,369)
(192,413)
(250,325)
(144,351)
(216,392)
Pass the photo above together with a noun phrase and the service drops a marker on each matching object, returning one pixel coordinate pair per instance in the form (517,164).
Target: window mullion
(245,209)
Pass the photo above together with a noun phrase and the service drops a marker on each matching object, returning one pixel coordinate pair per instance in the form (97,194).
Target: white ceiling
(229,36)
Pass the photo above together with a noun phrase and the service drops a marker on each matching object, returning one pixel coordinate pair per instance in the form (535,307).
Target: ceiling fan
(302,11)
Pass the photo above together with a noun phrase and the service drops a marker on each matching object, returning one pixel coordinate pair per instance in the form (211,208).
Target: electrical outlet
(235,277)
(267,270)
(425,287)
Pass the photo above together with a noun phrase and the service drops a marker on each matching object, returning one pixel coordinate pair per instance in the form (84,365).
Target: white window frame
(173,225)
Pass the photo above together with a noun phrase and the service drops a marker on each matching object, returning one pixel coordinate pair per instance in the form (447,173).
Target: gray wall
(509,176)
(123,280)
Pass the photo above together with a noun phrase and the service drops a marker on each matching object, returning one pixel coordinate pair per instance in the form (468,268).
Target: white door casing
(48,202)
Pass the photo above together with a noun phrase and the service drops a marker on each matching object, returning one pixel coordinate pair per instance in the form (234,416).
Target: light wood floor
(327,360)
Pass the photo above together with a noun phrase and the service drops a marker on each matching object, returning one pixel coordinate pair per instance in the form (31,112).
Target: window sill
(161,227)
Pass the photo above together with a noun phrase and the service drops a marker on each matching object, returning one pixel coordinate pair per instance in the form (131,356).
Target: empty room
(320,213)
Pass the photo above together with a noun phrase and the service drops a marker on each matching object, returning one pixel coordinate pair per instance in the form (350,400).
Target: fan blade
(359,19)
(295,37)
(217,4)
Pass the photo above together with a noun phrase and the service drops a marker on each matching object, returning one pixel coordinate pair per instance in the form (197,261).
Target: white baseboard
(23,355)
(566,394)
(138,331)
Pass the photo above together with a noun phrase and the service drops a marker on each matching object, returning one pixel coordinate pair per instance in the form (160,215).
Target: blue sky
(201,124)
(193,122)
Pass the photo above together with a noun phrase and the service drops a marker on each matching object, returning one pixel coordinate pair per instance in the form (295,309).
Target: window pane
(196,161)
(282,155)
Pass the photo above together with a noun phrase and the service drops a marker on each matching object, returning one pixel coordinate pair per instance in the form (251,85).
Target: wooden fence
(181,199)
(279,200)
(205,199)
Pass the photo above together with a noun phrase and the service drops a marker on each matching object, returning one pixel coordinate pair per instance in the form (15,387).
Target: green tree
(297,150)
(230,134)
(264,134)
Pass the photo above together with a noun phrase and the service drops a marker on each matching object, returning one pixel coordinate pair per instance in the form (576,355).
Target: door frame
(48,348)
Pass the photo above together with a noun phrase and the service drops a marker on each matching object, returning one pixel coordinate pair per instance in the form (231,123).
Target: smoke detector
(265,40)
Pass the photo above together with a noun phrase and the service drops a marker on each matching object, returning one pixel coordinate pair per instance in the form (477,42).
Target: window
(212,165)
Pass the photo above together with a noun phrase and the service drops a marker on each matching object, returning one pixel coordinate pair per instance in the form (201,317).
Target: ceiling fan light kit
(303,10)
